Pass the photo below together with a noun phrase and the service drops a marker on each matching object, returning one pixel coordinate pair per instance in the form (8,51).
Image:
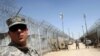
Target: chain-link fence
(42,35)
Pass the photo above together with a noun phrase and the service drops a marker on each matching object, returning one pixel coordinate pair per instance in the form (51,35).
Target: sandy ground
(73,52)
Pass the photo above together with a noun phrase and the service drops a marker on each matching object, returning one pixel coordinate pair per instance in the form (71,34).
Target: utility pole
(85,26)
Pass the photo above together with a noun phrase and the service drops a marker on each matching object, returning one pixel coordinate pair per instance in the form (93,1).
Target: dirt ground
(76,52)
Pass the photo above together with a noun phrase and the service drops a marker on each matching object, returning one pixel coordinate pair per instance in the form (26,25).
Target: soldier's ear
(27,29)
(8,32)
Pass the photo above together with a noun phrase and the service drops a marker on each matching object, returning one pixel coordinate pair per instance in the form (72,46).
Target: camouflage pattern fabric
(14,51)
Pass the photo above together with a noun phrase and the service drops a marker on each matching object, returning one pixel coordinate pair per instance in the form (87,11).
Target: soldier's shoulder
(8,50)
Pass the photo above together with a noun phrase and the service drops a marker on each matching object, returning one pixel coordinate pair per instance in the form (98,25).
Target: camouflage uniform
(77,44)
(14,50)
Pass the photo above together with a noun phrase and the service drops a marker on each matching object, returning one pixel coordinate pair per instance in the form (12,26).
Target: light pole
(85,23)
(61,16)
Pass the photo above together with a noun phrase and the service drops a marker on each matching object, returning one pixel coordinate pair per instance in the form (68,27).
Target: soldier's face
(18,34)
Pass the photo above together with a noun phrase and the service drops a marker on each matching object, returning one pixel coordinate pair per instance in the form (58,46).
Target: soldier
(18,33)
(95,43)
(77,44)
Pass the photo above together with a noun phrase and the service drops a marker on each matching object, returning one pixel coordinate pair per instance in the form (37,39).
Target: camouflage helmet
(15,20)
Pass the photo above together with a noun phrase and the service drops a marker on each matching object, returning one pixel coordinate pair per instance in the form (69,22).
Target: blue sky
(73,11)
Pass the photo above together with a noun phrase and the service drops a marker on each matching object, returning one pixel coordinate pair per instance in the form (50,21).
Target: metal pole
(40,37)
(63,25)
(58,41)
(69,34)
(85,27)
(85,24)
(97,33)
(82,29)
(40,41)
(61,16)
(83,33)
